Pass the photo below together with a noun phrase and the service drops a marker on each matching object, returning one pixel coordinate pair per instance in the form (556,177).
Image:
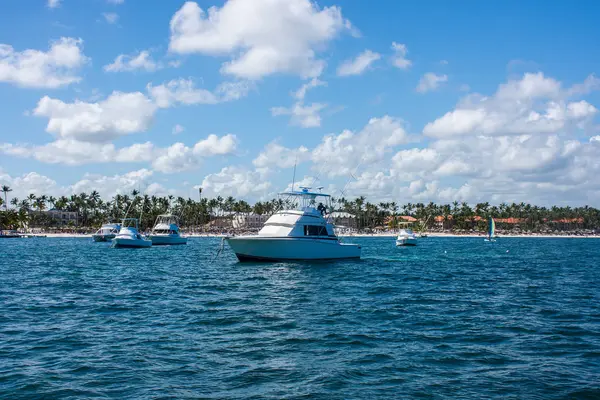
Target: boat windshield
(166,219)
(305,199)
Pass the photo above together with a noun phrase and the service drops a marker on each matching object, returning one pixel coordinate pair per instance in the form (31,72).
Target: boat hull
(406,242)
(256,248)
(167,240)
(103,238)
(131,243)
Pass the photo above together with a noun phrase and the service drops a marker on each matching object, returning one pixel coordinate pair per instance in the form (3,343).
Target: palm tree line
(92,211)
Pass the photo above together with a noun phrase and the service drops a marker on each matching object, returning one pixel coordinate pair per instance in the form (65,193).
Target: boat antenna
(129,208)
(294,176)
(351,178)
(141,215)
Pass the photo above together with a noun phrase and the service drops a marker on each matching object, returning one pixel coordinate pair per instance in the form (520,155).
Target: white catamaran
(300,233)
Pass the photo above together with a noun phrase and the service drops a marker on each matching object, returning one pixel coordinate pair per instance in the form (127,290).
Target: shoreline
(433,234)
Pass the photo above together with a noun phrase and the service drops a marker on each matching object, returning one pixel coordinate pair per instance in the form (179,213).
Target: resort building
(63,218)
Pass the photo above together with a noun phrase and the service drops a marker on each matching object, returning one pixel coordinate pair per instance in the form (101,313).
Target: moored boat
(406,237)
(166,231)
(300,233)
(9,234)
(129,236)
(107,232)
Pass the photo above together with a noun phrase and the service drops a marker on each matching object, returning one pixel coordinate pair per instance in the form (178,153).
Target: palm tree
(6,190)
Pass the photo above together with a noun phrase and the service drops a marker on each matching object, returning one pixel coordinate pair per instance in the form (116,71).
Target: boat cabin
(166,225)
(304,216)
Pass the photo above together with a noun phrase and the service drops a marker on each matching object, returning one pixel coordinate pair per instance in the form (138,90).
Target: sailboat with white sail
(491,230)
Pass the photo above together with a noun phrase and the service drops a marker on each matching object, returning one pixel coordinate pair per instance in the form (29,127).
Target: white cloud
(178,157)
(175,158)
(590,84)
(116,1)
(180,91)
(339,155)
(37,69)
(235,181)
(72,152)
(111,18)
(228,91)
(107,186)
(430,82)
(120,114)
(399,58)
(358,65)
(534,104)
(263,36)
(306,116)
(53,3)
(495,169)
(313,83)
(142,61)
(177,129)
(183,91)
(531,86)
(126,113)
(31,182)
(276,155)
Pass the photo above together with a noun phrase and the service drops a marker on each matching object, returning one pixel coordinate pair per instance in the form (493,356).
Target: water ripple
(451,318)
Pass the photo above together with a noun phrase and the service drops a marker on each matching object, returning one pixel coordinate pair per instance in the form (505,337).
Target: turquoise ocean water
(450,318)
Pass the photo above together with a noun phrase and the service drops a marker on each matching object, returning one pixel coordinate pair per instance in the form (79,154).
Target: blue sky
(421,101)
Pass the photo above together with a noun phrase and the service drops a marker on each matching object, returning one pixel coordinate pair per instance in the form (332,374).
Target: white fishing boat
(166,231)
(107,232)
(9,234)
(129,235)
(299,233)
(491,230)
(406,237)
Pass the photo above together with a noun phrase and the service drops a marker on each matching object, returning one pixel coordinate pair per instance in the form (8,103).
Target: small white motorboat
(10,234)
(107,232)
(301,234)
(129,236)
(166,231)
(406,237)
